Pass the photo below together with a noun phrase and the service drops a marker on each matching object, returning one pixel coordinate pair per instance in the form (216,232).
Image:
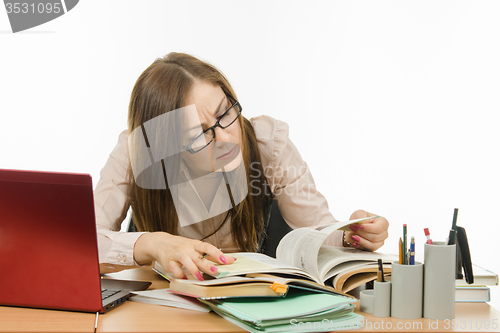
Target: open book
(301,254)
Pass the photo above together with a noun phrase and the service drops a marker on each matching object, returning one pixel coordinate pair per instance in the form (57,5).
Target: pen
(428,235)
(453,230)
(405,261)
(381,270)
(96,318)
(412,251)
(400,251)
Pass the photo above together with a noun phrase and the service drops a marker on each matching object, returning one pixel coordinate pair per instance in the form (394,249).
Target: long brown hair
(163,87)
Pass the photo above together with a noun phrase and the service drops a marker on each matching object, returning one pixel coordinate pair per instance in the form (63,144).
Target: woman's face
(224,152)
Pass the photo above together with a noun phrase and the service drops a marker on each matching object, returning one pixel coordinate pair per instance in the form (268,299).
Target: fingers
(195,265)
(197,258)
(369,236)
(176,269)
(213,253)
(378,226)
(361,243)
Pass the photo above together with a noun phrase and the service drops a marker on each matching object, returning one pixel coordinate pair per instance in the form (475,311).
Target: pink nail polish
(199,277)
(354,244)
(184,277)
(213,269)
(356,238)
(223,259)
(353,228)
(360,226)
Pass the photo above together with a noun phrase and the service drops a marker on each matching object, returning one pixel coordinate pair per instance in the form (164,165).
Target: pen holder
(382,299)
(366,301)
(407,290)
(439,281)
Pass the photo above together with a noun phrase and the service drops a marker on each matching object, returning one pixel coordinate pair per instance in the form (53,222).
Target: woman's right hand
(173,252)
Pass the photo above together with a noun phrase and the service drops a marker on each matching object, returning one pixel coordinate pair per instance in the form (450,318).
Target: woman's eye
(223,113)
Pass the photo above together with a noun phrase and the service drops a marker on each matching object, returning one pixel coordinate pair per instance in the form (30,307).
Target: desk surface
(138,317)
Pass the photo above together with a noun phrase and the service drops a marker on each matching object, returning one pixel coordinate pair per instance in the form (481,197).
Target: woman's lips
(228,154)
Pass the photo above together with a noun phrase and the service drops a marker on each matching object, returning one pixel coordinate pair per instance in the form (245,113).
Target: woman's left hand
(367,236)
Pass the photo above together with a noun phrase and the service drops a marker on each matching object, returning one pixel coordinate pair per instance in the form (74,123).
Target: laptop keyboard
(108,293)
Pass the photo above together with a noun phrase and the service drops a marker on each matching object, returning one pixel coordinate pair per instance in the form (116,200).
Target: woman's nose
(221,135)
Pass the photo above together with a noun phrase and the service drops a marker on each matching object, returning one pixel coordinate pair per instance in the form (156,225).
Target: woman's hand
(367,236)
(173,252)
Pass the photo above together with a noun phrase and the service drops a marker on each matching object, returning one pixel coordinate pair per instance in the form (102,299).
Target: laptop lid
(48,241)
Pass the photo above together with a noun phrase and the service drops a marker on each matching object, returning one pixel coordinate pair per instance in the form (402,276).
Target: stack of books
(303,289)
(299,310)
(479,290)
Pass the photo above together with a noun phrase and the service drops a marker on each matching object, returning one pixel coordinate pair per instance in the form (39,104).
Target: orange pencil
(400,251)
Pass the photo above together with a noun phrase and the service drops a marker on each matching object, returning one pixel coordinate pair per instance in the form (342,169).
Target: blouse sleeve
(111,202)
(290,179)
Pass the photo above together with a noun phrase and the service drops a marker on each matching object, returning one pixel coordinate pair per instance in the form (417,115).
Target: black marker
(453,230)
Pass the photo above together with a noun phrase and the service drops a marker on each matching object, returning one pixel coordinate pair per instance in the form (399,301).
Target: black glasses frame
(217,124)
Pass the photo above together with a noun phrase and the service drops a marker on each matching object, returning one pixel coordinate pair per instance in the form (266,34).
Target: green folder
(348,321)
(299,311)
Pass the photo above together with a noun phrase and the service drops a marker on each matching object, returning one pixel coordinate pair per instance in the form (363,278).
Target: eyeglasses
(224,121)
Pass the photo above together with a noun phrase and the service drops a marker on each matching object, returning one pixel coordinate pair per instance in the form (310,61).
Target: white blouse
(288,175)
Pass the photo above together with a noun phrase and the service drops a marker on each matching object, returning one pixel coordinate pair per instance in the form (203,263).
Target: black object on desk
(463,257)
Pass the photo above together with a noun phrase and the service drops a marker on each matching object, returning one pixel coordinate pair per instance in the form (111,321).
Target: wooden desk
(14,319)
(137,317)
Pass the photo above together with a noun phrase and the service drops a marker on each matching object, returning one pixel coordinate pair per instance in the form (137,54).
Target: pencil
(381,270)
(400,251)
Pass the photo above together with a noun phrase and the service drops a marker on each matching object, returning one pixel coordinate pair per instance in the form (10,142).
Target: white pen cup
(439,280)
(382,299)
(407,290)
(366,301)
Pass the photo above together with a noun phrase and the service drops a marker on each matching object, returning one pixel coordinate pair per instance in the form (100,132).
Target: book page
(345,275)
(347,266)
(344,226)
(248,262)
(330,256)
(300,248)
(163,297)
(215,282)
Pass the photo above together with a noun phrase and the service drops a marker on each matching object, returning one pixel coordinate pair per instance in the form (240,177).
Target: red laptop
(48,244)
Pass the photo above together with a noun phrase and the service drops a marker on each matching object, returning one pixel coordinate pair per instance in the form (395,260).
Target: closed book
(472,293)
(252,285)
(482,276)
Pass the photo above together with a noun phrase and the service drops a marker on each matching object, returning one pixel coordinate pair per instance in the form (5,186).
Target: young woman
(200,177)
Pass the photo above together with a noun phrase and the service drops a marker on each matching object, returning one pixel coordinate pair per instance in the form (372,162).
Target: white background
(393,104)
